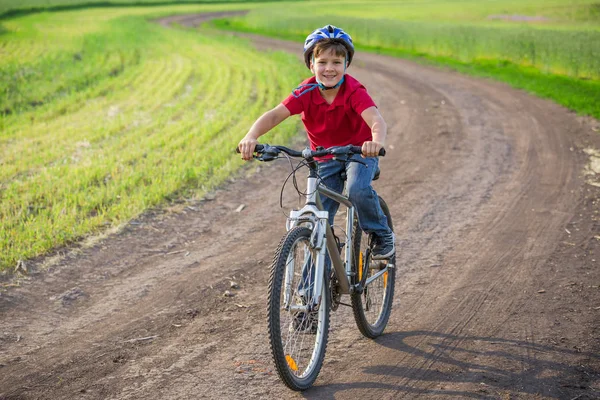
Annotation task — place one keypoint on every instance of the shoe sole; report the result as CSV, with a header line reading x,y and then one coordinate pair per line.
x,y
389,253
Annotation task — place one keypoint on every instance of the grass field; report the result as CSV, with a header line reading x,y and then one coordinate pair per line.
x,y
103,122
104,114
19,7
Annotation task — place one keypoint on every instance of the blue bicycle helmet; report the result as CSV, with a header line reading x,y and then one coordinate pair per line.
x,y
327,32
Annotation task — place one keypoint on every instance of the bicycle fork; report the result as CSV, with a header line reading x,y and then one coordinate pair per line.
x,y
317,220
312,270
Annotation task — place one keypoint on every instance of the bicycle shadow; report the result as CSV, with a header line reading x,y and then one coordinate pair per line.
x,y
502,365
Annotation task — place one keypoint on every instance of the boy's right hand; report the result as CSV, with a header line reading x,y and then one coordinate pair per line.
x,y
246,148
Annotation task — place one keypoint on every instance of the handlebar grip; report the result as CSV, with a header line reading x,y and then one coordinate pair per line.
x,y
258,147
358,150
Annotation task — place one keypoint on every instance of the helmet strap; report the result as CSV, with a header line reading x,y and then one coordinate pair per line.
x,y
323,87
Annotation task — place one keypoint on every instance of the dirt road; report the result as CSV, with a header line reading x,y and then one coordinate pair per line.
x,y
498,287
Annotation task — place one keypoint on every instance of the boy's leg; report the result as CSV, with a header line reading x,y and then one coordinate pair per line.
x,y
303,321
371,218
330,171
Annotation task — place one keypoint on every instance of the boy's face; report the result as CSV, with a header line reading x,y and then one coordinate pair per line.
x,y
328,67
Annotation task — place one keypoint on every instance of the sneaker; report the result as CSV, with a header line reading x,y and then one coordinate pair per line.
x,y
304,322
384,246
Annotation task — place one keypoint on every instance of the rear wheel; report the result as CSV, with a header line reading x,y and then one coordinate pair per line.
x,y
373,306
298,325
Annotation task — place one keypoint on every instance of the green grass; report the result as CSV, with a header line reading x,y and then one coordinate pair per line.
x,y
11,8
568,13
126,115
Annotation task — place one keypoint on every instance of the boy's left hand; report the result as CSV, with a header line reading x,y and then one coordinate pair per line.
x,y
371,149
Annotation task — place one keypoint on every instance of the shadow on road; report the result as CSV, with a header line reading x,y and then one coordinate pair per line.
x,y
437,365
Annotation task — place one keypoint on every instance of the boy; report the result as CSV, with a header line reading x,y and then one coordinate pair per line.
x,y
336,111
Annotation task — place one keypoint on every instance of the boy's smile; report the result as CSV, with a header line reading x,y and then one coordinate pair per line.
x,y
328,68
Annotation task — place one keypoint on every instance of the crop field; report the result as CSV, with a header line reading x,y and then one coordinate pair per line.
x,y
105,115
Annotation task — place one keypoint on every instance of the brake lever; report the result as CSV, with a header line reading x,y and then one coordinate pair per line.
x,y
268,153
266,157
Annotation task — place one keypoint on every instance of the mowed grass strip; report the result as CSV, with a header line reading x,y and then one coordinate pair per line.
x,y
164,127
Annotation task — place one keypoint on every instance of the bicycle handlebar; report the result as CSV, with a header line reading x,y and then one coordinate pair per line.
x,y
308,153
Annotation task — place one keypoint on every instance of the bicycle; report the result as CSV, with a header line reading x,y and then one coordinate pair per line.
x,y
302,291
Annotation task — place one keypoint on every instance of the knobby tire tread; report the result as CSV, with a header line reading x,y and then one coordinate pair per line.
x,y
357,302
273,311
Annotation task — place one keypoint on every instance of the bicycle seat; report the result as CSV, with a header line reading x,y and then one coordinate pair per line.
x,y
375,177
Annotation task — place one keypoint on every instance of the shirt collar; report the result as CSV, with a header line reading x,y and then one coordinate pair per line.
x,y
339,98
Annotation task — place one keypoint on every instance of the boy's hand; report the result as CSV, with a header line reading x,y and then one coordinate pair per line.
x,y
371,149
246,147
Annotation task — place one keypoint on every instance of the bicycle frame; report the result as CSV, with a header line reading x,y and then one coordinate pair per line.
x,y
323,239
306,286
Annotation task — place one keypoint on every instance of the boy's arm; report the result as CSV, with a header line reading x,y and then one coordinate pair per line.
x,y
263,124
378,129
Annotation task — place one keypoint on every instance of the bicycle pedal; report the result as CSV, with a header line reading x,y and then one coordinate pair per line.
x,y
304,323
358,288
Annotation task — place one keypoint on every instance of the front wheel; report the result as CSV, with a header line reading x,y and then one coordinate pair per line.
x,y
372,307
298,324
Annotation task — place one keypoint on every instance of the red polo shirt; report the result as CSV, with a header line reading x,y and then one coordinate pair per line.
x,y
336,124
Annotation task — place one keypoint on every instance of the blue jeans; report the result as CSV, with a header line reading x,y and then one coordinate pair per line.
x,y
371,218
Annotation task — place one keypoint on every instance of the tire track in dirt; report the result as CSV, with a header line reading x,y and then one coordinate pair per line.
x,y
512,220
472,304
481,181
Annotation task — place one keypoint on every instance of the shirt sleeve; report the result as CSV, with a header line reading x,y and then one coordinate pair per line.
x,y
360,100
293,104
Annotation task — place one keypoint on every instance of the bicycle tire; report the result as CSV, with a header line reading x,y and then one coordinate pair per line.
x,y
298,352
379,294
